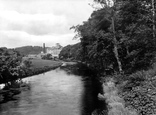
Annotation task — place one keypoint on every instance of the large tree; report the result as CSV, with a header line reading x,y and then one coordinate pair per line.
x,y
153,15
118,36
112,6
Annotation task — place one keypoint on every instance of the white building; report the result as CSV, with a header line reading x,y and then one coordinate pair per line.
x,y
55,50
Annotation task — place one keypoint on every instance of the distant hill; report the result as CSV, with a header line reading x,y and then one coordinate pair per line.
x,y
25,50
70,52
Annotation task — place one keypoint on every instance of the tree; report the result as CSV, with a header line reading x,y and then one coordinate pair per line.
x,y
10,65
112,4
47,57
118,37
153,17
71,52
96,40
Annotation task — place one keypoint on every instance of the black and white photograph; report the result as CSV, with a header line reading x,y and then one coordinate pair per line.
x,y
77,57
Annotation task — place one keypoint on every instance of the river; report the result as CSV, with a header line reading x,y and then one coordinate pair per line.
x,y
57,92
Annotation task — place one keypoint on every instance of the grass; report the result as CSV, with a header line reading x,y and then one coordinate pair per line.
x,y
39,63
116,105
39,66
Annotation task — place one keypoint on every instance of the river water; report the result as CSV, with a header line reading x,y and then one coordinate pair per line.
x,y
56,92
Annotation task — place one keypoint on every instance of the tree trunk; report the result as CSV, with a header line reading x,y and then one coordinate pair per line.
x,y
115,42
127,50
153,15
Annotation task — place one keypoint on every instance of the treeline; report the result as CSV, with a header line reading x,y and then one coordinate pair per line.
x,y
71,52
26,50
119,38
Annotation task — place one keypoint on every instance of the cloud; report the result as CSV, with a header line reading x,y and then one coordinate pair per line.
x,y
19,38
36,24
32,22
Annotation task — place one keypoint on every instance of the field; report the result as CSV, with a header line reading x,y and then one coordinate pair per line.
x,y
39,63
39,66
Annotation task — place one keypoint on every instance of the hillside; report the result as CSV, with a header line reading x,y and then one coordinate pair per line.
x,y
25,50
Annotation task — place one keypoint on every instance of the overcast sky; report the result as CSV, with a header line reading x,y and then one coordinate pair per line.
x,y
34,22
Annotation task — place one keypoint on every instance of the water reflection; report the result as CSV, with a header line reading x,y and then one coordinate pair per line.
x,y
55,93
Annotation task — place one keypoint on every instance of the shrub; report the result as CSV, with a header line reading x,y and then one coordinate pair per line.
x,y
139,92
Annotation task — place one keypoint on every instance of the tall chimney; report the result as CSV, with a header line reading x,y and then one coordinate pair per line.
x,y
44,50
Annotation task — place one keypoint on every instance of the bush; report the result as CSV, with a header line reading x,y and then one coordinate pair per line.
x,y
139,92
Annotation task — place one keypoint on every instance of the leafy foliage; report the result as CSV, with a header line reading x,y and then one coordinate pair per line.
x,y
71,52
10,65
135,43
139,92
134,25
47,57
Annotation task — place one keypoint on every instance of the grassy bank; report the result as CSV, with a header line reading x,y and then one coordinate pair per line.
x,y
134,92
39,66
115,103
130,94
40,63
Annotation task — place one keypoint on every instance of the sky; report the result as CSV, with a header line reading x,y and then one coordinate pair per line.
x,y
34,22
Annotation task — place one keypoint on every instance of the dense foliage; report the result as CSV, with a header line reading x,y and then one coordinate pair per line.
x,y
11,67
47,57
139,91
71,52
133,31
14,66
119,37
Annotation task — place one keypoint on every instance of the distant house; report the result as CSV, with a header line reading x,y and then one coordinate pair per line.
x,y
55,50
31,56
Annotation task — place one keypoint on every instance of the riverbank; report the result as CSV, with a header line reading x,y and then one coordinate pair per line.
x,y
139,91
132,94
57,92
39,66
29,67
128,94
115,103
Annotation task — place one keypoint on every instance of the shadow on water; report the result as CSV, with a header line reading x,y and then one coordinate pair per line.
x,y
89,100
92,87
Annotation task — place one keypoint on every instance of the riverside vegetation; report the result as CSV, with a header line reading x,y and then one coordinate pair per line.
x,y
14,67
118,41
